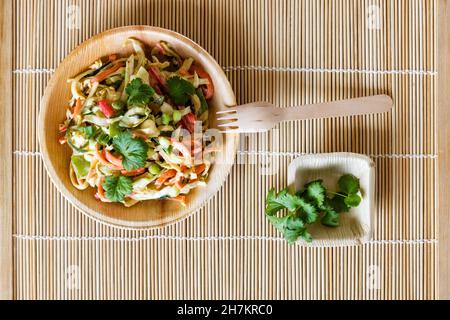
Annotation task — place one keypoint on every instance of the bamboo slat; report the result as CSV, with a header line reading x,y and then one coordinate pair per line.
x,y
287,52
6,148
444,150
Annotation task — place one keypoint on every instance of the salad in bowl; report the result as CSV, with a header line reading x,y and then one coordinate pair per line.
x,y
136,124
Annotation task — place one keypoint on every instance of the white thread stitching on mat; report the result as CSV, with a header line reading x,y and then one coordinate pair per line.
x,y
27,153
33,71
276,153
329,70
206,238
297,154
276,69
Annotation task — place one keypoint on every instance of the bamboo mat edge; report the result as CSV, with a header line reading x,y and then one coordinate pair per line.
x,y
6,212
443,97
444,156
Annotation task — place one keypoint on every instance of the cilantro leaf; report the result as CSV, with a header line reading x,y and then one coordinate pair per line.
x,y
133,151
295,228
291,235
316,192
349,184
139,93
307,236
180,90
338,204
283,199
352,200
272,206
330,219
117,187
307,210
294,222
292,227
278,222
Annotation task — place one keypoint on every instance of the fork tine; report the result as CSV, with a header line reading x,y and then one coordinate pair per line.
x,y
231,111
228,124
230,117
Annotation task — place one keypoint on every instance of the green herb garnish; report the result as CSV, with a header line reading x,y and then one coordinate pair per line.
x,y
138,93
133,151
310,203
180,90
117,187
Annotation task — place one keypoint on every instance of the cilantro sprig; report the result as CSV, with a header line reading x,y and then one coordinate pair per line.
x,y
309,204
180,90
133,151
139,93
117,187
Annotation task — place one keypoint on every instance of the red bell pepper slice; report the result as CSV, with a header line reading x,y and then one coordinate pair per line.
x,y
188,121
157,75
106,108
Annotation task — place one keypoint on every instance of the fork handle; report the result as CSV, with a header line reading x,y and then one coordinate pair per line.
x,y
351,107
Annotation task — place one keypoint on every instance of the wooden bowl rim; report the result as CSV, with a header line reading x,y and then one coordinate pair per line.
x,y
54,177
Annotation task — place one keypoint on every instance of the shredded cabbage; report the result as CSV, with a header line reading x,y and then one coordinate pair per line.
x,y
100,111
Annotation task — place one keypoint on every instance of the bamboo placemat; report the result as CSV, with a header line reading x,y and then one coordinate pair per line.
x,y
288,52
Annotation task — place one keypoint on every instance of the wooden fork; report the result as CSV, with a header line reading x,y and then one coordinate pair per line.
x,y
263,116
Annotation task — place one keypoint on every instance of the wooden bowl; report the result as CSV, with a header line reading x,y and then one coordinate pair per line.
x,y
147,214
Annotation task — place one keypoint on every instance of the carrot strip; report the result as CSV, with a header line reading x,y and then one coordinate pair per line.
x,y
102,75
100,195
103,161
132,172
78,108
116,161
183,72
166,175
180,183
200,168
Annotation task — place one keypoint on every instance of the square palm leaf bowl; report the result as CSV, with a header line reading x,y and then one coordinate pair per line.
x,y
356,225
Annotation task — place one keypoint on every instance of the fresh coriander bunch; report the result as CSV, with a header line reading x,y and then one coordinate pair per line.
x,y
311,204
